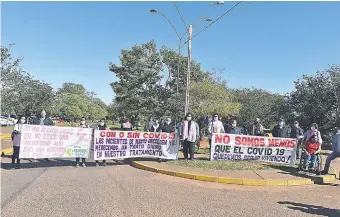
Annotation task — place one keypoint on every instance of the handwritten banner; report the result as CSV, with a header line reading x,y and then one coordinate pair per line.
x,y
38,141
128,144
252,148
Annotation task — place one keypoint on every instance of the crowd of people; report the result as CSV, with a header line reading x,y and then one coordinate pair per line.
x,y
191,132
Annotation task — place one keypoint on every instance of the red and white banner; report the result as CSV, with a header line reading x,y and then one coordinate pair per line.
x,y
38,141
252,148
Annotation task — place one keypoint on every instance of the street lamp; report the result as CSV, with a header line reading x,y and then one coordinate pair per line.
x,y
189,31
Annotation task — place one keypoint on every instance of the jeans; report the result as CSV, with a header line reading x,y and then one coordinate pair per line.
x,y
330,157
310,157
16,150
188,147
78,159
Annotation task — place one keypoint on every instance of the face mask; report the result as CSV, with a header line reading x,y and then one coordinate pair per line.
x,y
82,122
101,124
22,121
233,125
281,124
189,118
216,118
168,122
296,125
43,115
312,128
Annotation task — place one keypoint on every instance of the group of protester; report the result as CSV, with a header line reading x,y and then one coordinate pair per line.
x,y
189,133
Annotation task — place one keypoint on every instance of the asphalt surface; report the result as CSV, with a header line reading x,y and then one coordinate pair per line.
x,y
58,189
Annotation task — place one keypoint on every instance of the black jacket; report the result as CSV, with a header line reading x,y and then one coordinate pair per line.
x,y
296,132
282,133
167,128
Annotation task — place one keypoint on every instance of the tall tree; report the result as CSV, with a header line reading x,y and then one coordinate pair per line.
x,y
138,84
20,92
316,98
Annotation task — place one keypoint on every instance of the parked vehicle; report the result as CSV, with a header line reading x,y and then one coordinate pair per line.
x,y
4,121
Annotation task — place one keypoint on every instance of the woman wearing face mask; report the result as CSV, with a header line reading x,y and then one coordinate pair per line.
x,y
190,135
82,125
215,126
102,126
16,137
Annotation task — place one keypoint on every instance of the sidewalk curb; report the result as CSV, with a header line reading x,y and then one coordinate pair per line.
x,y
226,180
6,151
6,136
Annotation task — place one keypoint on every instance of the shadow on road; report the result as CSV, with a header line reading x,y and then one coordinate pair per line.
x,y
311,209
41,163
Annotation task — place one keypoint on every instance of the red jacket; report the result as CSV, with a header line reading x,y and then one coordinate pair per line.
x,y
312,147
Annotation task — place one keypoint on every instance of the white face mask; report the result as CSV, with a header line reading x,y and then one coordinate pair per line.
x,y
82,122
215,118
281,124
312,128
22,121
101,123
233,125
43,114
189,118
296,125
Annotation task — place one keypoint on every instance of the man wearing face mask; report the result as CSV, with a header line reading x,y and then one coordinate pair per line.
x,y
215,126
313,130
281,130
190,135
297,133
167,127
44,120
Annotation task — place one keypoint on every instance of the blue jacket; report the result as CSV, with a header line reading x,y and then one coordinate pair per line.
x,y
336,143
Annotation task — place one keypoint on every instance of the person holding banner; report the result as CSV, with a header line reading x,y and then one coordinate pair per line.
x,y
189,136
156,127
167,127
148,125
215,126
126,126
297,133
234,129
43,120
280,130
258,129
102,126
82,125
16,137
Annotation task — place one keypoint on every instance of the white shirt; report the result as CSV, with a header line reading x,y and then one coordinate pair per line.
x,y
17,137
215,127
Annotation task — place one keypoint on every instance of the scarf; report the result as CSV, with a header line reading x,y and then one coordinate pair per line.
x,y
189,131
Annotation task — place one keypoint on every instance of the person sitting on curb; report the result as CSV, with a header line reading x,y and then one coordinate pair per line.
x,y
336,151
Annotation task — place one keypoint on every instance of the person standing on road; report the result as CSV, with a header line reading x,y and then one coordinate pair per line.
x,y
16,137
258,129
215,126
102,126
297,133
189,136
280,130
44,120
82,125
148,125
234,129
336,151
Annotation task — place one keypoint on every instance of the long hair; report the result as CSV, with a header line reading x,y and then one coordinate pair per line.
x,y
19,119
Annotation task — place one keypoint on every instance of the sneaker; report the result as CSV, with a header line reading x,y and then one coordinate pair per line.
x,y
104,164
84,165
97,164
77,165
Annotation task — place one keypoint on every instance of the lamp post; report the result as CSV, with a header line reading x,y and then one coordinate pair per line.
x,y
189,31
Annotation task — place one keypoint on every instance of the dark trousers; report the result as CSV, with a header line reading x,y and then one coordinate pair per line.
x,y
78,160
209,146
188,147
16,150
298,148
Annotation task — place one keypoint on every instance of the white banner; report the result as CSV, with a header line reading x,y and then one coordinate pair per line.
x,y
128,144
39,141
252,148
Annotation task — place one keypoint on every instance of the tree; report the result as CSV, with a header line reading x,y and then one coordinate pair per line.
x,y
258,103
316,99
139,74
209,97
20,92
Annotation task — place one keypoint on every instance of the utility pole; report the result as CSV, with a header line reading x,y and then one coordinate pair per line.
x,y
186,109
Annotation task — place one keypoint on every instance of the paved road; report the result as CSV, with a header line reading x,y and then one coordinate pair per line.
x,y
58,189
